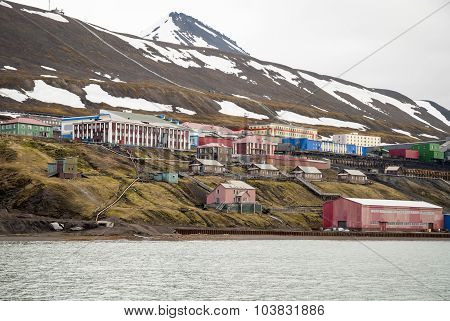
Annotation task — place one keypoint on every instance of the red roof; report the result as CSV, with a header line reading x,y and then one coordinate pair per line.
x,y
30,121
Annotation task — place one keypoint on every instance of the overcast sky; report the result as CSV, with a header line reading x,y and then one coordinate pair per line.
x,y
324,36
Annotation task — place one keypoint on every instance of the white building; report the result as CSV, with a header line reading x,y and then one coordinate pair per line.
x,y
125,128
356,139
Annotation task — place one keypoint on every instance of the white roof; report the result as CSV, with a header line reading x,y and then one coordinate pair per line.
x,y
266,166
209,162
353,172
392,168
396,203
307,169
237,185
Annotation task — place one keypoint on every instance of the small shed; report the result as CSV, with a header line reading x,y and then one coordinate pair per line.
x,y
171,178
352,176
393,170
266,170
64,168
307,172
202,166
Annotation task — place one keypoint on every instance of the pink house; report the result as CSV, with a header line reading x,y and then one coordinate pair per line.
x,y
232,192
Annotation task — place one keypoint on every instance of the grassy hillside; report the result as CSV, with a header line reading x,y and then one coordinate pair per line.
x,y
26,188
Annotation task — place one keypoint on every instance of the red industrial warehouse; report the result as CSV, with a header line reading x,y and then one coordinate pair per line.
x,y
382,215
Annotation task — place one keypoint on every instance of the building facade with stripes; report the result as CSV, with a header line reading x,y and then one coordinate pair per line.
x,y
123,128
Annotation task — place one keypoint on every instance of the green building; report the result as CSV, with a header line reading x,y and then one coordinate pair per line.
x,y
429,152
26,127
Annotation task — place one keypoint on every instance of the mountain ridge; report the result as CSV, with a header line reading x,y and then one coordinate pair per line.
x,y
105,69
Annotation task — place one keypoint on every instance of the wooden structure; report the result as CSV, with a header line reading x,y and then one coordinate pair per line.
x,y
214,151
265,170
352,176
307,172
204,166
393,170
64,168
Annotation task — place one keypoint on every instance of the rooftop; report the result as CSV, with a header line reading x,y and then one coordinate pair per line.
x,y
307,169
237,185
353,172
396,203
137,118
213,145
21,120
269,167
209,162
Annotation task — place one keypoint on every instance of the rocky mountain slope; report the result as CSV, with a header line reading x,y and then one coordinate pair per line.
x,y
181,29
51,63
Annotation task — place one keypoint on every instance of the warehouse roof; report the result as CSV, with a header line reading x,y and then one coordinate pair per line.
x,y
237,185
392,168
394,203
138,118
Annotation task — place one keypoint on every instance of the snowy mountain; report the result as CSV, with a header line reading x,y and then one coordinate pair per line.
x,y
185,30
54,64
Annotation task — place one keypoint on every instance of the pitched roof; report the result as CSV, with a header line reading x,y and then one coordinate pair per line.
x,y
21,120
396,203
209,162
237,185
352,172
392,168
269,167
255,140
307,169
138,118
207,128
213,145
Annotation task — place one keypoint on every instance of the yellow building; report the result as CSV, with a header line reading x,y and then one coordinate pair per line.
x,y
356,139
283,130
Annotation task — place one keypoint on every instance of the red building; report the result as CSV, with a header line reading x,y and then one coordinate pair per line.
x,y
382,215
253,145
404,153
205,140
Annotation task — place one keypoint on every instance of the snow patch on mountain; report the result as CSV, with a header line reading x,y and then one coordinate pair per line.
x,y
180,58
52,95
185,111
322,121
48,68
404,132
432,111
49,76
96,94
231,109
278,73
13,94
216,63
49,15
7,5
429,136
9,68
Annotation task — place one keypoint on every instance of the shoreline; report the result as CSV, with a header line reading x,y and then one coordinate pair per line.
x,y
65,237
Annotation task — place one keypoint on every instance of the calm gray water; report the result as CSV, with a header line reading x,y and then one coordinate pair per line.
x,y
225,270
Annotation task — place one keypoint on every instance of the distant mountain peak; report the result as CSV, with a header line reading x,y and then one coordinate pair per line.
x,y
181,29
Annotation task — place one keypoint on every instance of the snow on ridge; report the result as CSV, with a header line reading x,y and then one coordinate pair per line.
x,y
319,108
52,95
9,68
404,132
205,29
13,94
216,63
182,110
49,76
322,121
7,5
49,15
48,68
97,80
231,109
432,111
282,74
371,118
429,136
96,94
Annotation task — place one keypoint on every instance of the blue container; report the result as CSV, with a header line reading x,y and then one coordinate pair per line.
x,y
363,151
351,149
447,222
309,145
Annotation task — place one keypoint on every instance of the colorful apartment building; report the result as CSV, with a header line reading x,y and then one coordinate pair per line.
x,y
253,145
26,127
282,130
356,139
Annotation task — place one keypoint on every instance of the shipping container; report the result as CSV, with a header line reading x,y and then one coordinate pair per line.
x,y
310,145
428,152
351,149
404,153
447,222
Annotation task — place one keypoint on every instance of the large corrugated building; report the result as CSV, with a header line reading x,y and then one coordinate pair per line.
x,y
382,215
